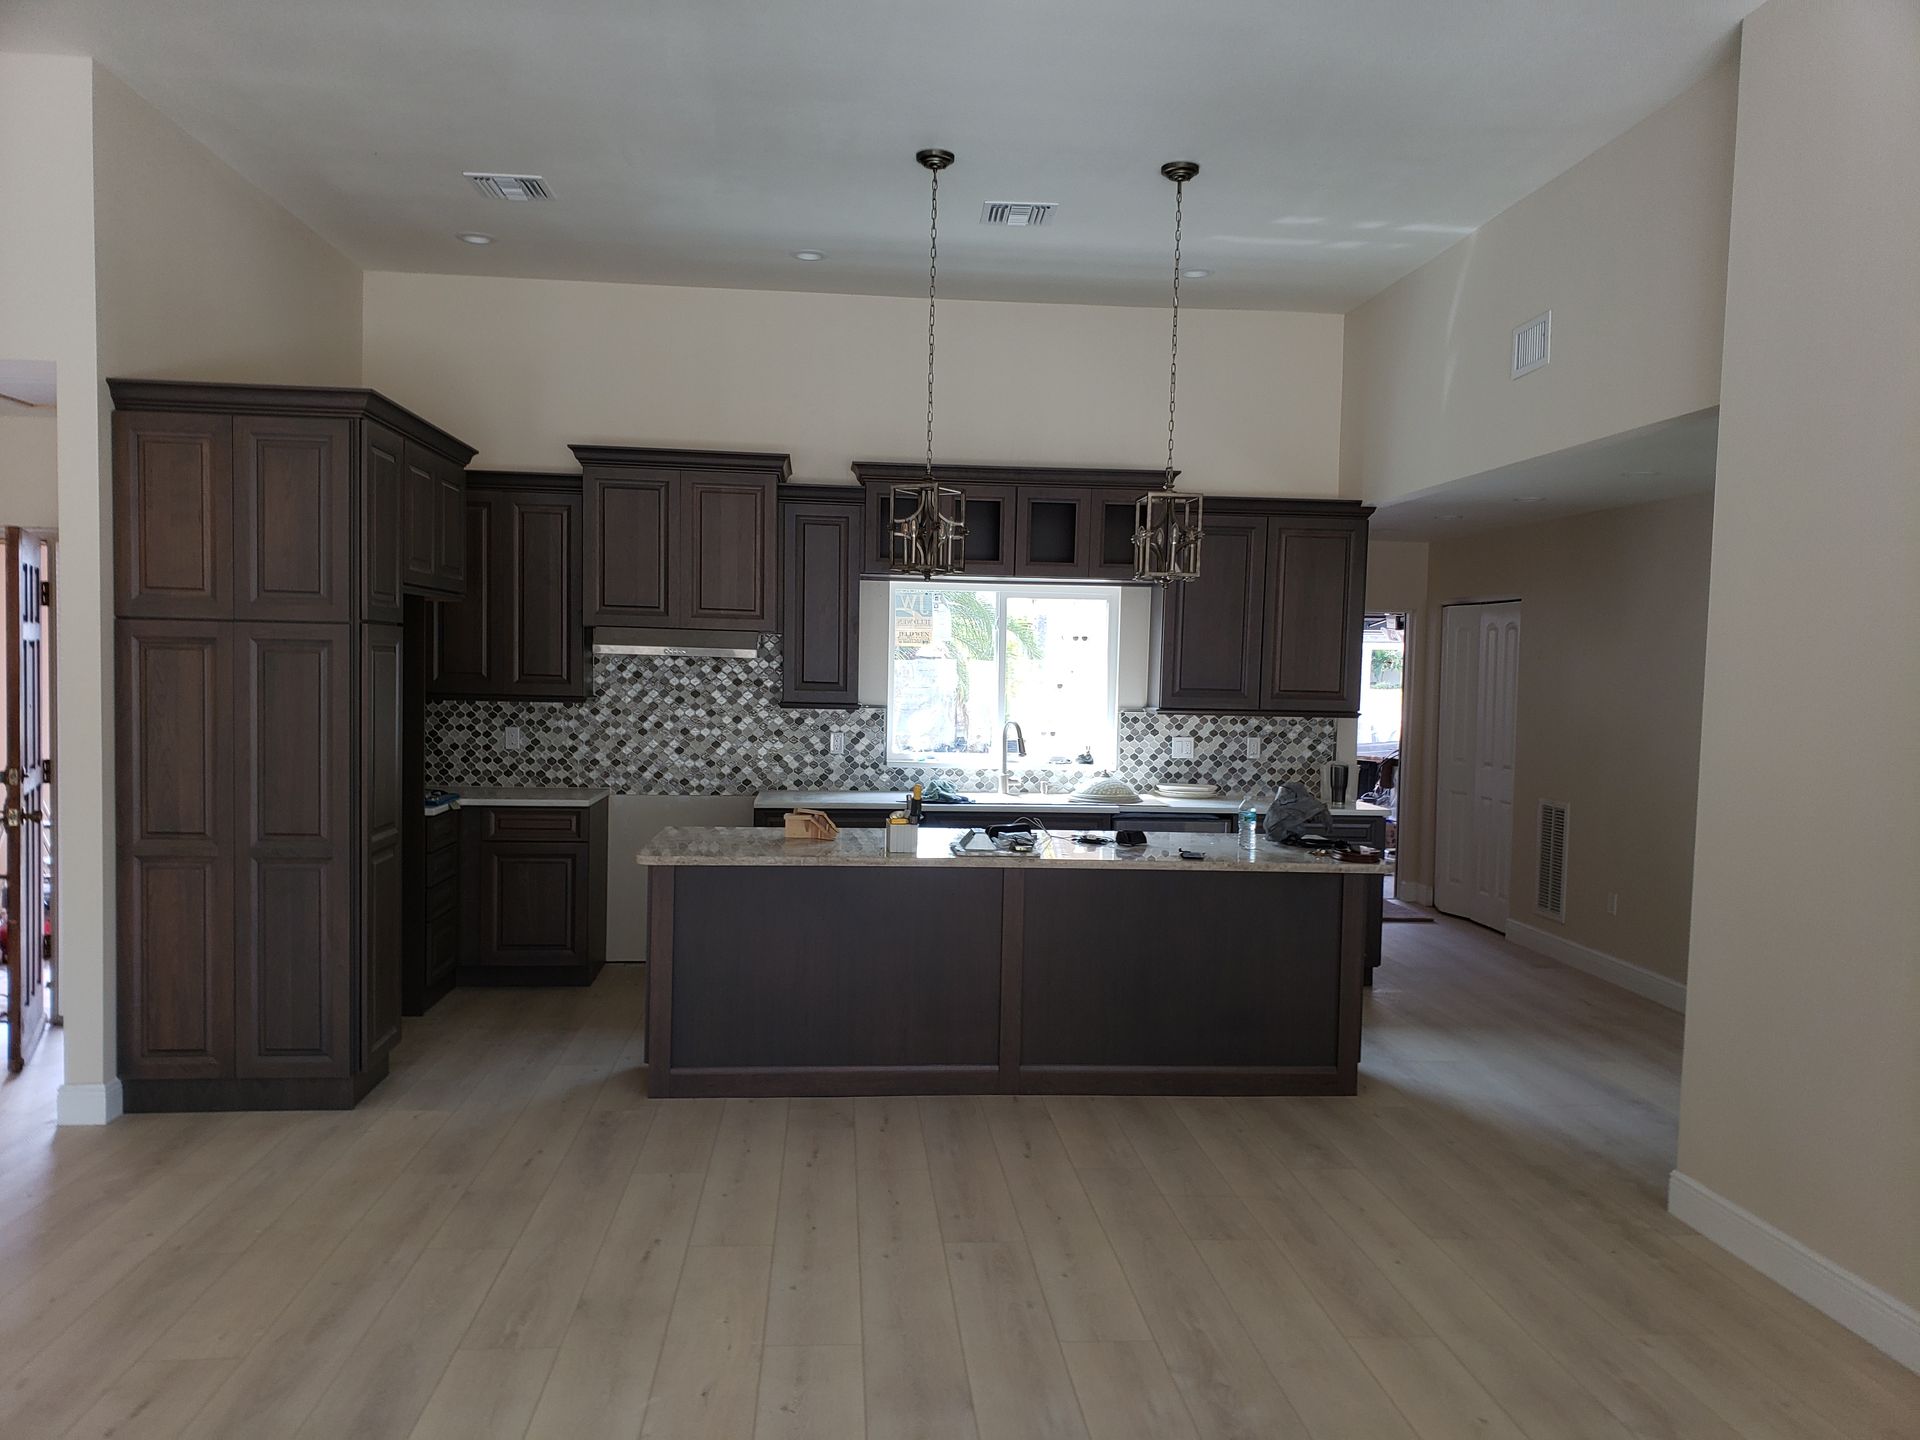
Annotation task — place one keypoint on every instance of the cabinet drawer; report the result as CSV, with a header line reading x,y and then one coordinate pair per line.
x,y
443,868
443,945
1366,832
443,830
526,823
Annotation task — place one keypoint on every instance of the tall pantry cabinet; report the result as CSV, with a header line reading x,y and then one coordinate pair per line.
x,y
266,539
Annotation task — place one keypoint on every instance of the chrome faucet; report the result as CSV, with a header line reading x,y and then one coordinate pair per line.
x,y
1019,748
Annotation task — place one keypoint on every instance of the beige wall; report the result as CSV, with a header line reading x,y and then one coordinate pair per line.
x,y
29,484
522,367
1396,575
1628,249
1614,612
201,276
1801,1093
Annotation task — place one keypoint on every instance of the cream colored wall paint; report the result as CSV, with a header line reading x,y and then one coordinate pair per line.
x,y
1628,249
1801,1094
29,480
48,312
1396,575
522,367
1615,613
202,277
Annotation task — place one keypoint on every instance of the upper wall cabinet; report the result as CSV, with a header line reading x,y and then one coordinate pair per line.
x,y
682,539
1023,521
1273,622
516,633
820,603
279,503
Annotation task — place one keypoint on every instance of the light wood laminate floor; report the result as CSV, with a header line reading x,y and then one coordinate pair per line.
x,y
509,1239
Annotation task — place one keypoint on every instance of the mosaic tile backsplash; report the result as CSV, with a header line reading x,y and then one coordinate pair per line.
x,y
683,726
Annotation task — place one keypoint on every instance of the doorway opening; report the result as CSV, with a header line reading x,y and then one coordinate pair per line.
x,y
1473,819
26,840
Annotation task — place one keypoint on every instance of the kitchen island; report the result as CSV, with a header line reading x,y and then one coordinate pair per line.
x,y
808,967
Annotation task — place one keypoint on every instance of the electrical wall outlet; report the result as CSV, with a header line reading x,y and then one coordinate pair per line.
x,y
1613,903
836,742
512,737
1183,747
1253,747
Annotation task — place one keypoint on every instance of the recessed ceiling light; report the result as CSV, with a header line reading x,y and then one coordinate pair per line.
x,y
1371,224
1453,517
1526,499
809,254
473,237
1195,274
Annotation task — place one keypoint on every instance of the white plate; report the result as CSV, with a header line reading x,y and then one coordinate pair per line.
x,y
1188,792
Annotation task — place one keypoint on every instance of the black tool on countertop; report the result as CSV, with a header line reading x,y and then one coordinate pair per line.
x,y
1191,855
1129,838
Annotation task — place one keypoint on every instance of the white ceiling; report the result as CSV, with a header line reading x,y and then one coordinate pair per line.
x,y
699,142
1658,462
25,386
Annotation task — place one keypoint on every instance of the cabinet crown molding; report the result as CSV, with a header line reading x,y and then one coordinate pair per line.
x,y
894,472
655,458
225,398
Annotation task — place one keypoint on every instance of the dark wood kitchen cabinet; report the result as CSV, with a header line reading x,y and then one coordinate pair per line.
x,y
516,634
259,545
681,539
433,518
1273,622
533,893
820,537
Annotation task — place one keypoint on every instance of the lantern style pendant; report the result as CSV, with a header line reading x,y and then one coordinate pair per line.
x,y
927,531
1168,528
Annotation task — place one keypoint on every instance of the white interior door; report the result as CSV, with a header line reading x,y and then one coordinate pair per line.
x,y
1473,828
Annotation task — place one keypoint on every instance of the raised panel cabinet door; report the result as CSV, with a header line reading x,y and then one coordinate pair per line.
x,y
540,597
630,524
382,798
1054,533
1316,588
420,519
174,785
449,527
173,515
820,606
291,521
532,905
1211,627
294,938
731,553
464,649
382,464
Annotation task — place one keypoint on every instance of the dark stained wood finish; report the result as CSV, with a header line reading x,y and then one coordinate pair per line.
x,y
420,519
820,603
291,508
838,981
1316,582
533,894
730,554
629,557
382,466
174,799
991,527
384,800
1054,534
294,926
516,633
1367,830
1114,519
1206,646
173,509
449,526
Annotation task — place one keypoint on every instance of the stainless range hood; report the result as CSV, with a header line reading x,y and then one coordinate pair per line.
x,y
683,644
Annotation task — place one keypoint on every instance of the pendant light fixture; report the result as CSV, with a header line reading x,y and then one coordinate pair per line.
x,y
929,521
1167,527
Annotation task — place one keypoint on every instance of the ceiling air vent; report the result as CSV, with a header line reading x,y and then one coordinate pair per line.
x,y
509,187
1016,212
1550,884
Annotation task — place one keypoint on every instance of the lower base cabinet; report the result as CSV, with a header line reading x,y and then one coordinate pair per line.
x,y
533,894
1368,830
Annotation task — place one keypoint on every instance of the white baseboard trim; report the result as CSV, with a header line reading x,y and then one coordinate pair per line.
x,y
1871,1313
88,1104
1612,969
1411,893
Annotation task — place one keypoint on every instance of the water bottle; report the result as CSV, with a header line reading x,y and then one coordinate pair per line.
x,y
1249,824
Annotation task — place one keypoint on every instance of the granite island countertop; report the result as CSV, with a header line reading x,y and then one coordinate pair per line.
x,y
549,797
765,845
1221,804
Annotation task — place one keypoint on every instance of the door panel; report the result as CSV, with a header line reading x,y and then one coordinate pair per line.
x,y
526,902
463,643
382,818
542,591
1212,627
1055,532
629,548
290,519
1473,821
173,515
820,609
382,468
420,520
174,715
294,887
26,799
728,566
449,526
1316,578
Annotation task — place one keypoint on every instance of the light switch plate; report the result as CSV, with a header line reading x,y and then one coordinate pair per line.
x,y
1253,747
836,742
1183,747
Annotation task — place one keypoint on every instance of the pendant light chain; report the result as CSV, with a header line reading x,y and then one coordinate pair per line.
x,y
933,261
1173,356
